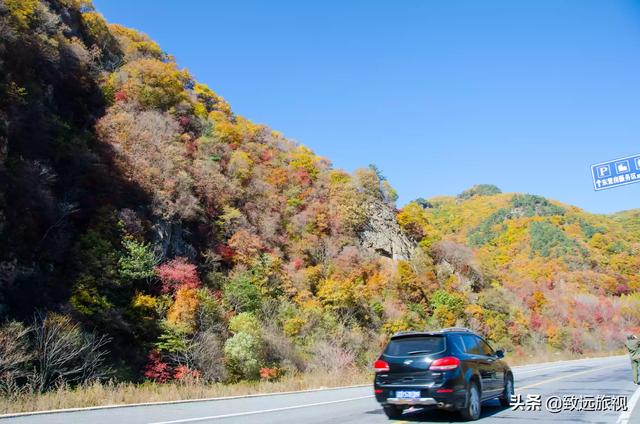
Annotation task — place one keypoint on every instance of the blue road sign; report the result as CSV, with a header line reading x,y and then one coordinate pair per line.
x,y
616,172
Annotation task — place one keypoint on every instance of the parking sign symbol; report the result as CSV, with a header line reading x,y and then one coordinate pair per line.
x,y
604,171
622,167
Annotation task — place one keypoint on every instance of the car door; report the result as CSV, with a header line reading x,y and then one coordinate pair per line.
x,y
484,366
497,372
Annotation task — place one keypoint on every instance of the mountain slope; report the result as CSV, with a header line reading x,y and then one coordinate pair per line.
x,y
630,221
570,276
136,202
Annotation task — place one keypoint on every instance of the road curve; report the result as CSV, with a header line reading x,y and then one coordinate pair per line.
x,y
599,376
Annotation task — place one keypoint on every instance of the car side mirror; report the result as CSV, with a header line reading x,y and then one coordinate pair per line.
x,y
500,353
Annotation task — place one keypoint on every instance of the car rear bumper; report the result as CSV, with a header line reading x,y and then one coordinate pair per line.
x,y
412,402
430,397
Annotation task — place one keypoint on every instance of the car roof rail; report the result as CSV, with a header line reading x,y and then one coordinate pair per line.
x,y
442,330
460,329
398,333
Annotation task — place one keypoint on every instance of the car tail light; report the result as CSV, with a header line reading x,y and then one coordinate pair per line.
x,y
380,366
444,391
445,364
377,391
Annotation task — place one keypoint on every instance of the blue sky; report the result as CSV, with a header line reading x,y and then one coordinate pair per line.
x,y
440,95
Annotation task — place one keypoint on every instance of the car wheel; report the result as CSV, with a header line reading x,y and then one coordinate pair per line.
x,y
505,399
392,411
471,412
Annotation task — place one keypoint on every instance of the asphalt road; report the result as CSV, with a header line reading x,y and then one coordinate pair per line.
x,y
602,376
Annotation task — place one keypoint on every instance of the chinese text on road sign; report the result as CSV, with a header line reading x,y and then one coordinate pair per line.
x,y
616,172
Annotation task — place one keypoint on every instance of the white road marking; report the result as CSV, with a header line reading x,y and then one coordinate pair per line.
x,y
550,380
557,366
562,377
626,415
172,402
241,414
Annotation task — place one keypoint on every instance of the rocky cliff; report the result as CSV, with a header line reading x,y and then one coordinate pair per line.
x,y
382,233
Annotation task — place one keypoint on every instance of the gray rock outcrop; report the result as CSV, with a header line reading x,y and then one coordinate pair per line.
x,y
382,233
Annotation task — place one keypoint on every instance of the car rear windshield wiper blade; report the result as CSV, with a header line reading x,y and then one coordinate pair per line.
x,y
417,352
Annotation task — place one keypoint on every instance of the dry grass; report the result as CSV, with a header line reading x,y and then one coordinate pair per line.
x,y
97,394
125,393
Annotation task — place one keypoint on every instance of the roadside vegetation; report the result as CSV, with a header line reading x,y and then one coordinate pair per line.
x,y
155,245
111,393
96,393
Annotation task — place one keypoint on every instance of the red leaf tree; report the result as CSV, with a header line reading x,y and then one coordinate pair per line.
x,y
177,273
156,369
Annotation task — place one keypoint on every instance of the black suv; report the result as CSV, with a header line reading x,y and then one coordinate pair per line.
x,y
452,369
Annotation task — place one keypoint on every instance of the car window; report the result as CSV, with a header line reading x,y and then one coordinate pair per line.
x,y
471,344
486,349
456,343
415,345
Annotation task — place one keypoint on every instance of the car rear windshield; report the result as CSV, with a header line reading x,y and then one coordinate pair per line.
x,y
417,345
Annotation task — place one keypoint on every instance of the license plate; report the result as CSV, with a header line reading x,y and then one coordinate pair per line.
x,y
408,394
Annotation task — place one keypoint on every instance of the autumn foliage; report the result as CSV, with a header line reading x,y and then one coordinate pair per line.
x,y
177,274
205,246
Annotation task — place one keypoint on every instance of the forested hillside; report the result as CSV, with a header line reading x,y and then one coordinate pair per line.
x,y
149,232
530,271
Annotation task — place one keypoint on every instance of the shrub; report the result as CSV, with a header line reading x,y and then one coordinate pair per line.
x,y
244,322
207,354
280,349
339,350
183,374
15,356
64,353
241,294
156,369
174,340
413,219
184,308
246,246
178,273
408,286
589,230
138,261
242,356
211,100
447,307
210,311
269,374
328,355
87,299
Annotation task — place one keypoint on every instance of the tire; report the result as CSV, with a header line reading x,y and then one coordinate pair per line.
x,y
471,411
505,399
392,412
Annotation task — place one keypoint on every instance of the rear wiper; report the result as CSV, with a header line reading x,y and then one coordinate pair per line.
x,y
417,352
